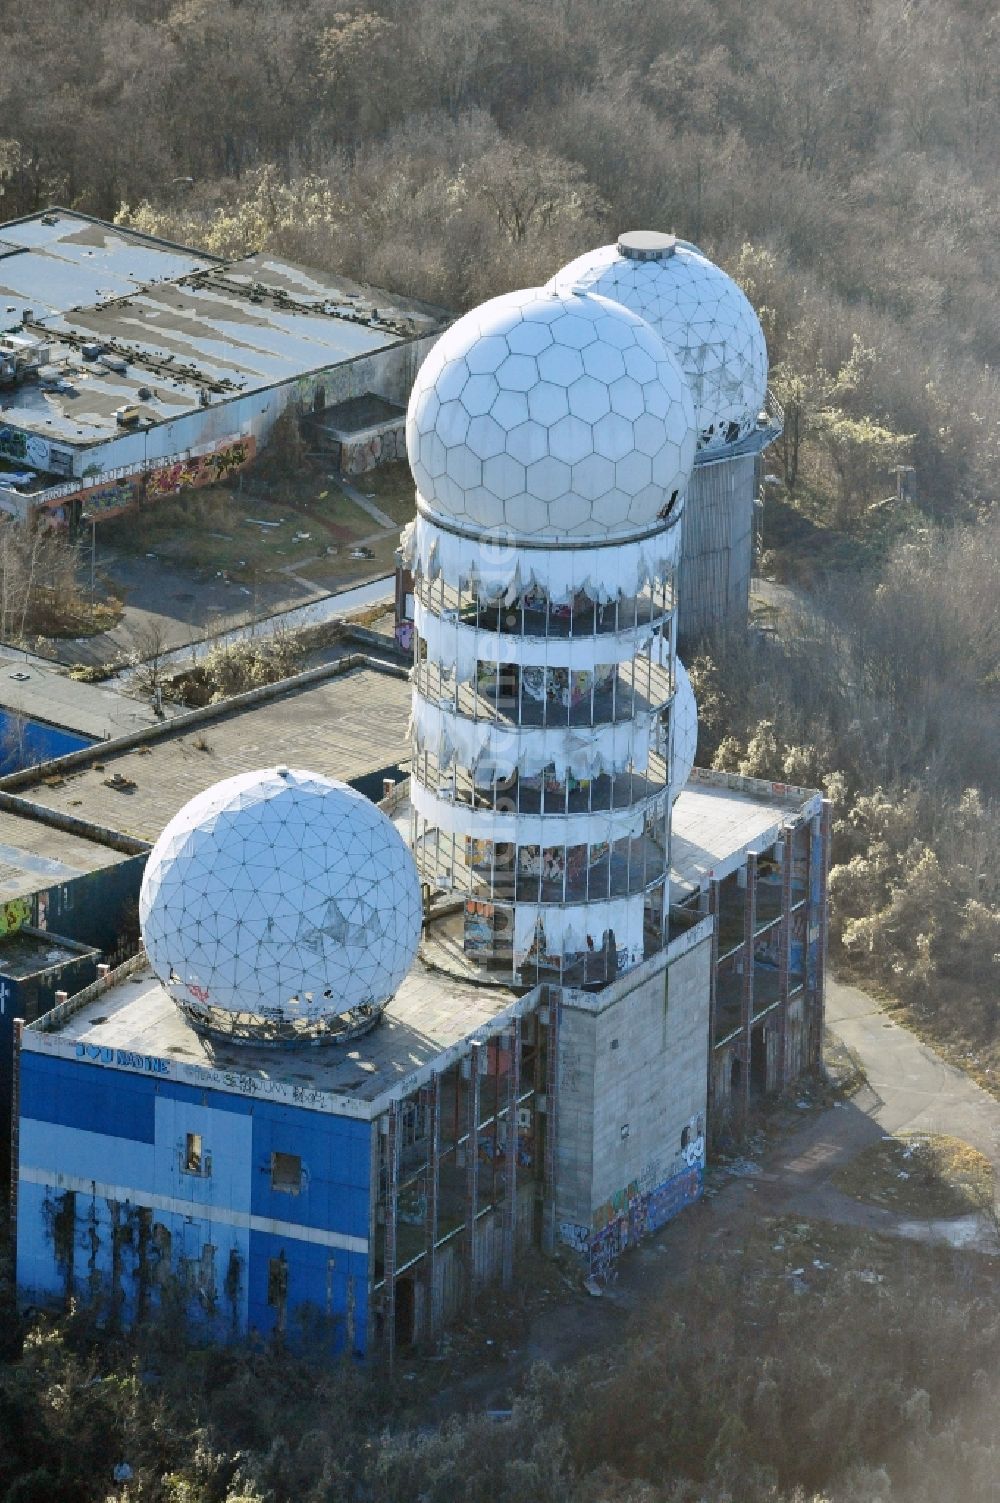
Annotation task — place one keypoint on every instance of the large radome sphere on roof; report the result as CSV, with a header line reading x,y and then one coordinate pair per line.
x,y
699,312
550,418
282,895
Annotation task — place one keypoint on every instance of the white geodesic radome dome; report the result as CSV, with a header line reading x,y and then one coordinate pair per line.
x,y
699,312
284,899
684,716
543,418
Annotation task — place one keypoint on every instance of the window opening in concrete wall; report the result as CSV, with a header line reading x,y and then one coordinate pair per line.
x,y
193,1157
286,1173
451,1172
405,1301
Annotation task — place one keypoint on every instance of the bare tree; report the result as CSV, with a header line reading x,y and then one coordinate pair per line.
x,y
146,657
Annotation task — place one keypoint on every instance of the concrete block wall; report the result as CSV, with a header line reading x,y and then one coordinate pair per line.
x,y
575,1135
633,1070
654,1084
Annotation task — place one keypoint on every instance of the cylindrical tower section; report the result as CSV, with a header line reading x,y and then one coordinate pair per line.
x,y
707,322
551,440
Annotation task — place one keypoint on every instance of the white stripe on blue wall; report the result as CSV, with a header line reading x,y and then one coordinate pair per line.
x,y
211,1214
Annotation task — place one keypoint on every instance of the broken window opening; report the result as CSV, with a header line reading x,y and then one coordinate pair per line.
x,y
286,1173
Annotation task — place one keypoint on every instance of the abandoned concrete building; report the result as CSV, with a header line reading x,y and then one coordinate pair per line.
x,y
131,367
512,1005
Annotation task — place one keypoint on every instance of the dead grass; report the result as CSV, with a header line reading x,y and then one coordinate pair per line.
x,y
928,1175
342,571
390,486
245,536
75,616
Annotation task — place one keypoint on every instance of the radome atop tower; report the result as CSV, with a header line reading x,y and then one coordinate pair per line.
x,y
703,317
551,419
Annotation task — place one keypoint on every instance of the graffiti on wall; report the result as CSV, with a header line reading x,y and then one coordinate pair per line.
x,y
573,1235
113,497
14,914
646,1203
403,633
24,448
767,949
13,444
243,1084
638,1215
108,500
201,469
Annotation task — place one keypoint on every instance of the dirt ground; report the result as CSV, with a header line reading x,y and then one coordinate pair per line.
x,y
920,1174
210,560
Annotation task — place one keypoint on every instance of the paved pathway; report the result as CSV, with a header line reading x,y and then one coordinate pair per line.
x,y
916,1090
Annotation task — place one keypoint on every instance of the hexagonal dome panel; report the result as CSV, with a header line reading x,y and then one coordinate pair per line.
x,y
702,317
282,895
579,386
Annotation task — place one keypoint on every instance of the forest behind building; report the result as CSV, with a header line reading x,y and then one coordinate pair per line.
x,y
840,160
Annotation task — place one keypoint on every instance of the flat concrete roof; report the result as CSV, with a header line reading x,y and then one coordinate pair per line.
x,y
430,1015
42,693
30,952
58,260
716,823
33,855
194,331
347,725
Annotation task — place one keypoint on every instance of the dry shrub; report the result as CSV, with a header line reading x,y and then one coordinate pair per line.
x,y
250,663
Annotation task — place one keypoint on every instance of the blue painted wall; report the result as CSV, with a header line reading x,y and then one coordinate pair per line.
x,y
24,743
116,1140
28,997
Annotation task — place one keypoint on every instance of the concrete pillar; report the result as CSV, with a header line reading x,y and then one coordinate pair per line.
x,y
510,1160
819,1004
391,1210
15,1138
431,1311
714,903
472,1062
550,1014
746,1009
785,954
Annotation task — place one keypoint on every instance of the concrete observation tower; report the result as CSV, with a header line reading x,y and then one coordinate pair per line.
x,y
551,438
708,325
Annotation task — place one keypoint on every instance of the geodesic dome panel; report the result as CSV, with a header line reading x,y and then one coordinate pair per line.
x,y
703,318
550,418
684,718
280,895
